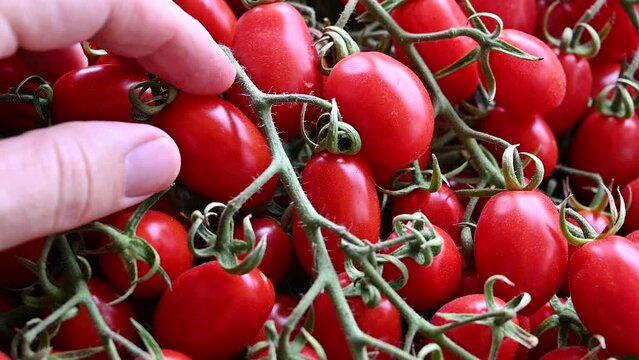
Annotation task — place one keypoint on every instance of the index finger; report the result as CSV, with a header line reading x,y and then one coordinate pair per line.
x,y
164,39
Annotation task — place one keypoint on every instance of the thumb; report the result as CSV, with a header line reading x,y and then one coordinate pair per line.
x,y
64,176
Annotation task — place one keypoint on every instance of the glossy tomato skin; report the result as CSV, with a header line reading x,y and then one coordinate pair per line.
x,y
442,208
168,237
531,132
566,353
429,287
98,92
539,87
606,145
275,47
215,15
475,338
172,355
79,331
225,310
386,103
518,14
514,226
13,274
222,150
382,322
578,89
341,188
425,16
630,194
279,250
609,269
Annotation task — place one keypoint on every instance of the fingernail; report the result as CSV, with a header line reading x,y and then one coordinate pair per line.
x,y
151,167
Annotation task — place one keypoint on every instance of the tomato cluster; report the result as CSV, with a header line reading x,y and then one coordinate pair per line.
x,y
334,215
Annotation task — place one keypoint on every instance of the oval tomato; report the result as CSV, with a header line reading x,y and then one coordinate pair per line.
x,y
279,250
607,268
428,287
167,236
518,14
513,226
225,311
386,103
98,92
539,87
566,353
475,338
14,274
275,47
442,208
215,15
222,151
341,188
426,16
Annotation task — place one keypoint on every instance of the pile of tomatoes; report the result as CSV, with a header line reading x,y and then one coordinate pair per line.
x,y
566,107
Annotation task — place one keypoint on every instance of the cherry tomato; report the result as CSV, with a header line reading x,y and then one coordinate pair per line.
x,y
469,284
604,75
225,311
513,226
442,208
79,331
341,188
531,132
168,237
216,16
171,355
475,338
382,322
273,44
14,274
607,268
566,353
606,145
539,87
53,64
98,92
222,151
425,16
118,60
519,14
578,89
386,103
428,287
622,40
631,222
307,353
279,250
12,72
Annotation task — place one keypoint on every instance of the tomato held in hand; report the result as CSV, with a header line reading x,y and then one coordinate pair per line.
x,y
475,338
225,311
341,188
539,87
168,237
386,103
275,47
609,269
518,236
426,16
222,151
99,92
13,273
215,15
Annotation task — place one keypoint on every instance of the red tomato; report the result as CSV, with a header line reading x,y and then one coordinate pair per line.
x,y
513,226
222,151
52,64
3,356
633,237
383,174
216,16
604,75
118,60
425,16
79,331
606,145
13,274
306,353
607,268
273,44
548,340
442,208
566,353
475,338
622,40
469,284
519,14
341,188
531,132
279,250
12,72
171,355
428,287
225,311
578,89
99,92
382,322
539,87
168,237
522,351
386,103
631,222
15,117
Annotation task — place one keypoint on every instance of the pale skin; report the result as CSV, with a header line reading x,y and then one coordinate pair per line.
x,y
67,175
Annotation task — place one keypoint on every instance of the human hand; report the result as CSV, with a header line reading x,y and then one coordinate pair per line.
x,y
61,177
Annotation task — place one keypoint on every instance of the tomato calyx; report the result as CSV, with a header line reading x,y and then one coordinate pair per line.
x,y
564,319
428,180
268,349
35,90
334,135
337,43
144,107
